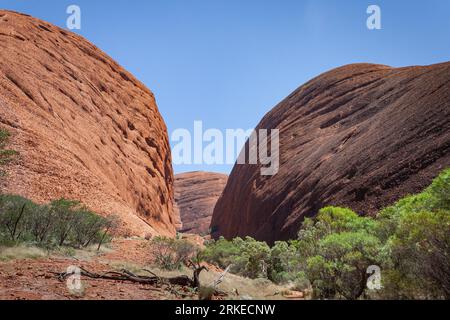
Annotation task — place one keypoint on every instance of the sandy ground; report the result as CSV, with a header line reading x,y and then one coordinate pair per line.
x,y
33,278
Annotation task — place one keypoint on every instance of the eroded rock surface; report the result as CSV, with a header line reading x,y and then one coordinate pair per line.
x,y
196,194
360,136
85,128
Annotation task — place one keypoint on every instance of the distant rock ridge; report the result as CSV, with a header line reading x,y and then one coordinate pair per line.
x,y
85,128
196,194
360,136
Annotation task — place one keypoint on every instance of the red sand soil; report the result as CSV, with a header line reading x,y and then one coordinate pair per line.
x,y
33,279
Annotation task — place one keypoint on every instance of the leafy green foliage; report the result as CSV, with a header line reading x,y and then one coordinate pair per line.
x,y
15,216
416,231
247,257
286,263
60,223
338,248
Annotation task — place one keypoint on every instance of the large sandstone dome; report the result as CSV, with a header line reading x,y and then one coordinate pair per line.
x,y
196,194
85,128
360,136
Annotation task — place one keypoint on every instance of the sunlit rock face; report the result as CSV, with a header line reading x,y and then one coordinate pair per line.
x,y
85,128
196,194
359,136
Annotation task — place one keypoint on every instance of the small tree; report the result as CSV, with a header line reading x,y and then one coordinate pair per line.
x,y
342,262
41,223
87,227
65,219
221,252
110,225
416,231
13,216
254,258
63,222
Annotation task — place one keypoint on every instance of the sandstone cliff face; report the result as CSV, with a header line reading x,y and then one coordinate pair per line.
x,y
85,128
196,194
360,136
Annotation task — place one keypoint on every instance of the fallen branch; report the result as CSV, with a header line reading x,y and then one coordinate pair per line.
x,y
153,279
125,275
220,279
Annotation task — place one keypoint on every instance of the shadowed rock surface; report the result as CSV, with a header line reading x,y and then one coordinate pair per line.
x,y
360,136
196,194
85,128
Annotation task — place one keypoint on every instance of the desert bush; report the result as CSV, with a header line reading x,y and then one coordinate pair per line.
x,y
254,260
247,257
66,216
409,241
40,225
171,254
416,231
285,262
221,252
60,223
338,247
15,212
87,228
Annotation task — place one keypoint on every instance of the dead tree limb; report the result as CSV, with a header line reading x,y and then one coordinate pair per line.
x,y
125,275
153,279
221,277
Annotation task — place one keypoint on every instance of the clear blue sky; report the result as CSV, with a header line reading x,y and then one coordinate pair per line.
x,y
228,62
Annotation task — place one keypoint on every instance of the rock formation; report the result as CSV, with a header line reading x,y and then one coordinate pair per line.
x,y
85,128
360,136
196,194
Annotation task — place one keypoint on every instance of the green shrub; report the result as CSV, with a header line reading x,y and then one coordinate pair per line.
x,y
61,223
15,213
416,231
338,247
285,262
247,257
221,252
87,228
66,216
171,254
40,225
409,241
